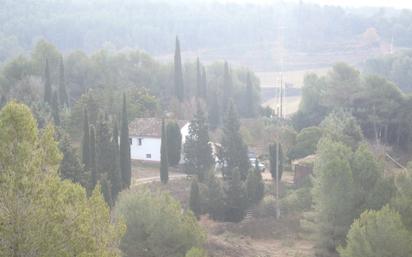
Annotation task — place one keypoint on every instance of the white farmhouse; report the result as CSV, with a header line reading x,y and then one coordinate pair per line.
x,y
145,138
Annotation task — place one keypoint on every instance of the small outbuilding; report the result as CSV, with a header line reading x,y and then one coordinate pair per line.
x,y
303,168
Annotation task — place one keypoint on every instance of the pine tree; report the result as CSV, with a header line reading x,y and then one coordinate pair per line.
x,y
47,84
125,160
92,156
174,143
178,75
63,97
194,199
214,110
272,161
86,142
235,151
164,165
115,175
333,192
197,151
215,198
54,106
236,199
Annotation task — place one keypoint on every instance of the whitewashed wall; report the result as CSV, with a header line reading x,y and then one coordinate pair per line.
x,y
149,145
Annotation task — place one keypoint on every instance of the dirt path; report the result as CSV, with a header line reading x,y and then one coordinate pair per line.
x,y
140,181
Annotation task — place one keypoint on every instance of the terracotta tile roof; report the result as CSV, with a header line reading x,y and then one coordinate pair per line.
x,y
149,127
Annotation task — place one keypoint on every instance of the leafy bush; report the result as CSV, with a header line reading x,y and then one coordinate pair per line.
x,y
156,225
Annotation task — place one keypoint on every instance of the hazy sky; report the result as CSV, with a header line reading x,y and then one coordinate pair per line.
x,y
353,3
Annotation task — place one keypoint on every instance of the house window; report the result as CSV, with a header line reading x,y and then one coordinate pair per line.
x,y
130,140
140,141
148,156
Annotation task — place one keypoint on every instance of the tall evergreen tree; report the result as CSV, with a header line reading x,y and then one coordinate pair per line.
x,y
203,88
47,84
198,78
54,106
106,189
92,156
174,143
104,150
273,163
194,199
227,87
236,199
125,160
214,110
70,166
86,142
164,165
197,151
63,96
254,187
115,175
178,75
215,198
235,151
249,98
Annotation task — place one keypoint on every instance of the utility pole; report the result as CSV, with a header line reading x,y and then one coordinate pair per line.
x,y
277,181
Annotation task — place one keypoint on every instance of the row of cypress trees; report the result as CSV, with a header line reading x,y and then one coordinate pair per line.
x,y
104,158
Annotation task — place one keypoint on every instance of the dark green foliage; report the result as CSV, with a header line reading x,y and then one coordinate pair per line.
x,y
86,142
214,110
174,143
227,87
235,151
47,84
306,142
70,166
63,96
236,199
104,155
378,233
178,74
107,194
275,149
197,151
249,99
115,175
92,156
215,198
164,164
198,78
195,200
403,200
254,187
125,160
54,106
203,85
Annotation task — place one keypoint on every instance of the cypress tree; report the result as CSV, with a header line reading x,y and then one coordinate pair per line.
x,y
70,166
104,150
92,155
214,111
55,109
215,197
125,161
106,191
178,75
164,165
254,187
47,84
86,142
174,143
204,84
198,79
272,160
235,151
194,199
197,151
249,104
115,175
63,97
235,198
227,87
